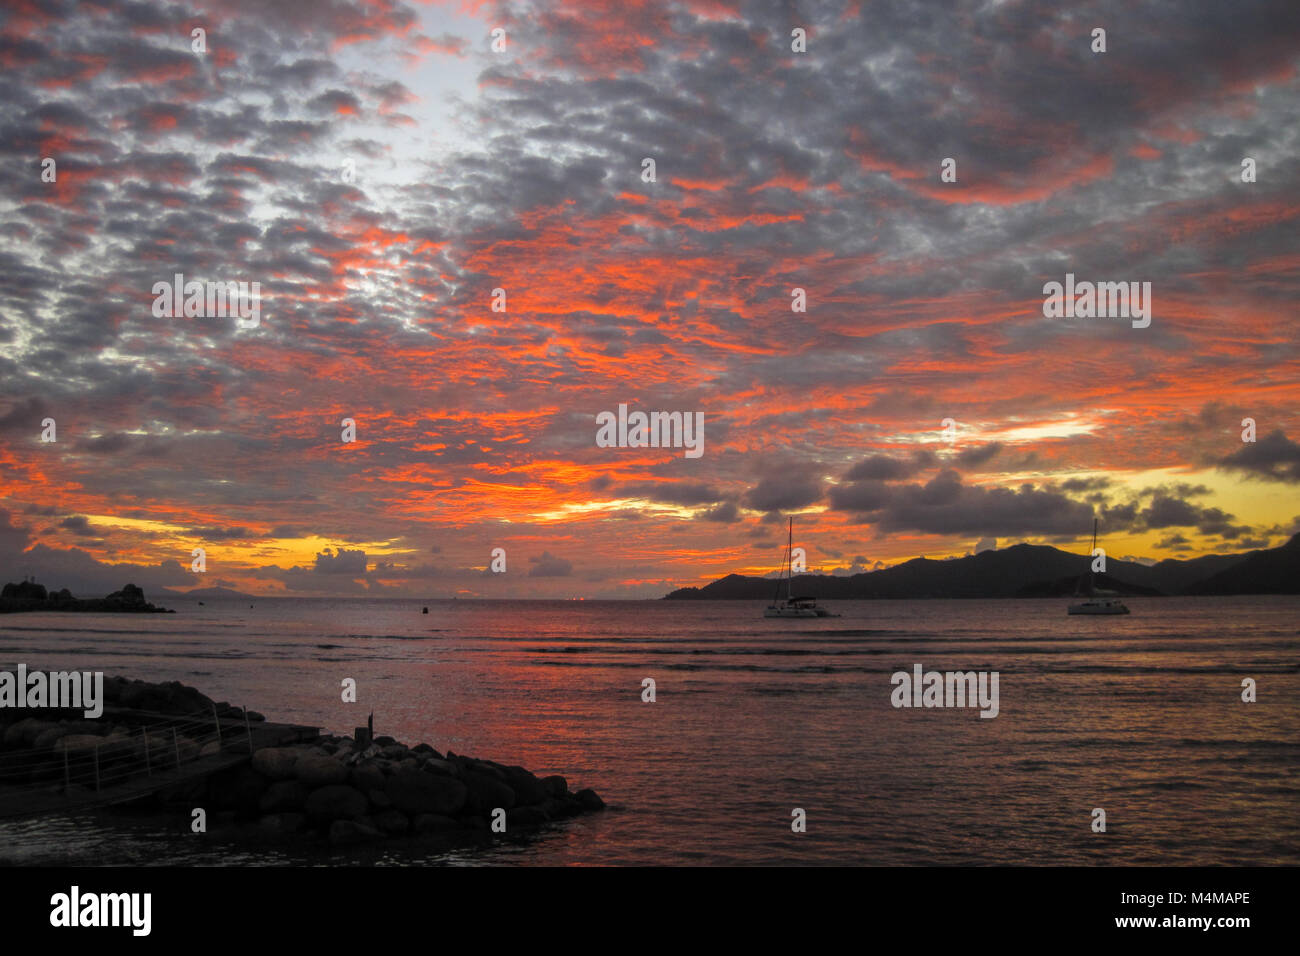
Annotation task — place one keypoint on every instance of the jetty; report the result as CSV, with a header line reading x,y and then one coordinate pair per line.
x,y
163,751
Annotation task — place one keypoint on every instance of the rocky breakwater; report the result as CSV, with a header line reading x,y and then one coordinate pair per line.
x,y
333,790
30,596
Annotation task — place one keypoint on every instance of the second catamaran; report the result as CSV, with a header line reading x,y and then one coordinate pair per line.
x,y
792,606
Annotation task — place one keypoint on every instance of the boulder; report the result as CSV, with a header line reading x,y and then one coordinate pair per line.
x,y
528,789
589,800
282,823
561,808
435,823
73,744
525,817
319,770
367,777
434,765
47,738
351,832
379,799
556,786
486,792
239,789
336,802
277,763
25,732
283,795
392,822
416,792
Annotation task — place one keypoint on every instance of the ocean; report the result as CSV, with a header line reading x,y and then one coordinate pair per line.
x,y
1140,716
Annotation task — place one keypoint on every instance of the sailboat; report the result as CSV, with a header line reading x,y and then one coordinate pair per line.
x,y
792,606
1099,601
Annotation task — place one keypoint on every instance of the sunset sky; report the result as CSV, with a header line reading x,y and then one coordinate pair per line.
x,y
522,170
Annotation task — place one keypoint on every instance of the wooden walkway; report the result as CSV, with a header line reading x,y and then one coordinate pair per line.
x,y
140,777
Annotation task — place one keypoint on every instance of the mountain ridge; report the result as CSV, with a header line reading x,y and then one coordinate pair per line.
x,y
1028,570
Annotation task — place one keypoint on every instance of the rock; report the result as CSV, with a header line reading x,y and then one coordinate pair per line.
x,y
525,817
589,800
14,732
434,765
426,749
367,777
392,822
319,770
486,767
240,789
561,808
210,749
394,752
24,733
435,823
282,822
47,738
276,763
384,741
336,802
283,795
415,792
350,832
379,799
528,789
82,744
555,785
186,748
486,792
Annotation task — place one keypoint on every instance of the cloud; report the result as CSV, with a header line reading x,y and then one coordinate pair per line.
x,y
783,493
341,562
80,525
1272,458
944,505
547,565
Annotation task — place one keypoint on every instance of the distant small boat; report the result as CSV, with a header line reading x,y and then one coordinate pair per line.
x,y
1099,601
792,606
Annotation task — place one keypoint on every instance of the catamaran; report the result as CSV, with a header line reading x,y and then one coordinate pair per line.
x,y
792,606
1099,601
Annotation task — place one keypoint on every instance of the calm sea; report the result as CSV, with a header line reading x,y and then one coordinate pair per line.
x,y
1141,716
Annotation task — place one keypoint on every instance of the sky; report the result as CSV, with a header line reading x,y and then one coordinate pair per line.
x,y
921,171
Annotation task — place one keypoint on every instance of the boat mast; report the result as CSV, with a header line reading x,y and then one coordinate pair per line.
x,y
1091,585
789,560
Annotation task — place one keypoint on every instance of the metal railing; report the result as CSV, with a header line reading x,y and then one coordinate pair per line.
x,y
151,747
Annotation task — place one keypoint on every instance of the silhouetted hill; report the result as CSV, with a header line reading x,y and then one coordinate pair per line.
x,y
212,592
1276,571
1023,570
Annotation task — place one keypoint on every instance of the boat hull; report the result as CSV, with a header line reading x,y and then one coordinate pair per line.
x,y
793,612
1098,609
